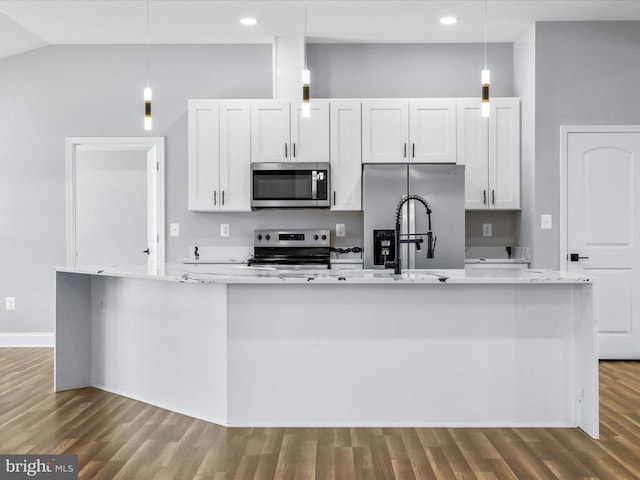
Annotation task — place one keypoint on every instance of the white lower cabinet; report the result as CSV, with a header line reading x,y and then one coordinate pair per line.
x,y
346,155
490,150
219,155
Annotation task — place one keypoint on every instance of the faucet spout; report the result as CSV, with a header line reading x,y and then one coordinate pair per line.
x,y
431,241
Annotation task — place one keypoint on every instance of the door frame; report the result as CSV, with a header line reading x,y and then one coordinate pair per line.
x,y
565,131
153,146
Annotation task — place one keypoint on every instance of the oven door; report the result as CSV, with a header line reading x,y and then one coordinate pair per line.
x,y
289,185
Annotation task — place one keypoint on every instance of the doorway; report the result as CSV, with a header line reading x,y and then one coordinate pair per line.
x,y
600,182
115,201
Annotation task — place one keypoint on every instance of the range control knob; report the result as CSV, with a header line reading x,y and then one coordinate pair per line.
x,y
324,237
259,237
267,237
315,237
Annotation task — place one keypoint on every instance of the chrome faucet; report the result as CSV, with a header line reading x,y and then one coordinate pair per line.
x,y
417,240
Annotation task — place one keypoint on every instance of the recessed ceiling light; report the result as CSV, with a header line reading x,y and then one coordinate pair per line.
x,y
448,20
248,21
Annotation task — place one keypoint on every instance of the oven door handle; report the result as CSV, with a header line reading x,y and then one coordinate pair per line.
x,y
314,185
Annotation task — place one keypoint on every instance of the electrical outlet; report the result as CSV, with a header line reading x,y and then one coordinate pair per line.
x,y
546,222
340,230
174,229
487,229
224,229
10,303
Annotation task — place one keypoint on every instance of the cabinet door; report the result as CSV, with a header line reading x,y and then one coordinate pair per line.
x,y
504,153
235,156
270,131
346,155
385,131
473,153
432,131
203,155
310,136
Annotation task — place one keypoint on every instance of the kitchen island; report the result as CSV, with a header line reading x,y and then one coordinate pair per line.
x,y
244,346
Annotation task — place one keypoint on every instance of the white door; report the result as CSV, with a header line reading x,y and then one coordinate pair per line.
x,y
111,207
310,136
385,131
270,131
235,156
346,158
603,224
204,155
432,131
473,153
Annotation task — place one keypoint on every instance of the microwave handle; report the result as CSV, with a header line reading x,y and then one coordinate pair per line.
x,y
314,185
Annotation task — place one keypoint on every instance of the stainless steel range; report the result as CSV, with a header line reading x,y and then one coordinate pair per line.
x,y
292,249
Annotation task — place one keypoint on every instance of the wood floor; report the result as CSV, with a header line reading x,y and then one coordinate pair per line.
x,y
119,438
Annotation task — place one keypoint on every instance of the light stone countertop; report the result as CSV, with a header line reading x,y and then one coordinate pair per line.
x,y
242,274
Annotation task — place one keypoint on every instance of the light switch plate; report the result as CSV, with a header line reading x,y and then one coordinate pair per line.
x,y
10,303
487,229
546,222
340,230
224,229
174,229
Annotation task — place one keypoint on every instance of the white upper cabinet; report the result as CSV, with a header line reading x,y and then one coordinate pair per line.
x,y
504,153
270,131
432,131
346,155
490,150
399,131
235,155
203,153
310,136
219,156
279,133
385,131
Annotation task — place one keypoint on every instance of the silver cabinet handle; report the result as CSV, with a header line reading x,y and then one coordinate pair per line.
x,y
215,197
413,150
484,197
294,150
286,152
222,197
334,197
404,155
493,197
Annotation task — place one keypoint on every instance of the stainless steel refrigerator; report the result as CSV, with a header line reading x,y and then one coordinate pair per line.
x,y
442,186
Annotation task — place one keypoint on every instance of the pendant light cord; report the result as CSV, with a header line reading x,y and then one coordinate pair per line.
x,y
147,40
485,34
305,34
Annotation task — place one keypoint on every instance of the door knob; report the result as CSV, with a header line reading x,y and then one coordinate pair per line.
x,y
574,257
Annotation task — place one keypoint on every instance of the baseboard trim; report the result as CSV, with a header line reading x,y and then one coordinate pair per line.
x,y
27,340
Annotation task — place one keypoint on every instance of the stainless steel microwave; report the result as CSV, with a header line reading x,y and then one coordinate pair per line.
x,y
290,185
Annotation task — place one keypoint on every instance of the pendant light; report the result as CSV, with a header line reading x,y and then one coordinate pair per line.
x,y
306,75
148,125
485,76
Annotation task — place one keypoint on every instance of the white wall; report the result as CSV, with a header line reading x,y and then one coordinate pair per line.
x,y
587,73
524,80
55,92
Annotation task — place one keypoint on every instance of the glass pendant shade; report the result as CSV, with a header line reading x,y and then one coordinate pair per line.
x,y
484,109
147,109
306,83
